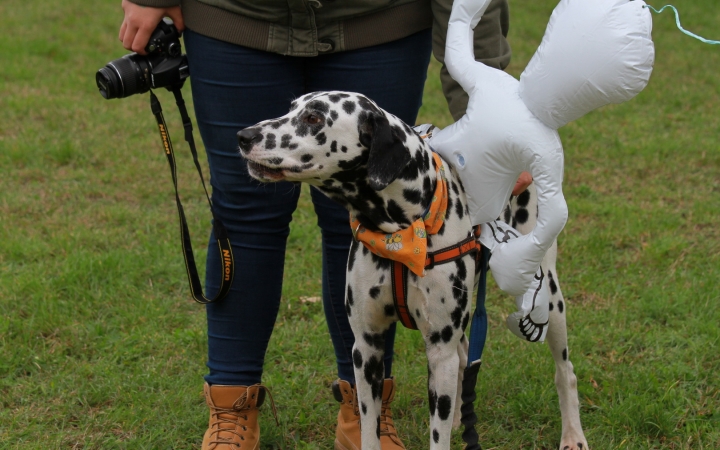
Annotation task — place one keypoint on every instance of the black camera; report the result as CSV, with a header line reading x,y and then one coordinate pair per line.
x,y
163,66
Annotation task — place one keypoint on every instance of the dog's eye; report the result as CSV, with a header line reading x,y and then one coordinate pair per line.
x,y
313,119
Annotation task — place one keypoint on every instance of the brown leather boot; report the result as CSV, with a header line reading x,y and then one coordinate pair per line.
x,y
389,439
347,433
233,417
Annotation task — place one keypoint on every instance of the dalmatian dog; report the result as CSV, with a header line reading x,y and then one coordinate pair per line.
x,y
385,174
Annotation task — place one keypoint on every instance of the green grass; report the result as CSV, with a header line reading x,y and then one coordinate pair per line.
x,y
101,346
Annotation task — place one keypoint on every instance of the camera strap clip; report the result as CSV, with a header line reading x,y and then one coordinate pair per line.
x,y
223,241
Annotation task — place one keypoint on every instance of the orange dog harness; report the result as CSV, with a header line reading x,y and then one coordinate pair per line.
x,y
408,247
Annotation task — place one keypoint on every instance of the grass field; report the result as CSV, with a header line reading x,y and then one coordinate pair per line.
x,y
102,348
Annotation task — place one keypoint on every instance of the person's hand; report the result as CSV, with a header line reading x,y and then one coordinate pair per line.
x,y
141,21
522,183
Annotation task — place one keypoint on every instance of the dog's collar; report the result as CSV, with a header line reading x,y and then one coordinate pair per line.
x,y
409,245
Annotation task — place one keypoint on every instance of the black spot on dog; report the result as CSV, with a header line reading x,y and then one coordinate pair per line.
x,y
443,407
459,210
374,291
436,436
410,172
553,285
447,334
319,105
465,321
363,406
417,313
357,358
507,214
413,196
432,397
382,279
334,98
367,105
434,337
285,140
351,164
561,306
397,213
461,267
456,317
454,187
334,115
343,149
275,161
333,146
399,133
270,142
381,263
348,107
275,124
565,354
376,340
373,371
389,310
551,306
306,158
459,291
321,138
521,216
377,429
524,198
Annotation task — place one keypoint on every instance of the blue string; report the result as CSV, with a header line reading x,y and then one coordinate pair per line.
x,y
677,21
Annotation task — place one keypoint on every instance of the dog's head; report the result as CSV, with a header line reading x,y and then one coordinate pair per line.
x,y
328,138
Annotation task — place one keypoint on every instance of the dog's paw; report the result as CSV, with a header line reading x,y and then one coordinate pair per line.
x,y
575,442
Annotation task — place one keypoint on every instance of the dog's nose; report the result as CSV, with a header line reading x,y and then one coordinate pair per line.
x,y
248,137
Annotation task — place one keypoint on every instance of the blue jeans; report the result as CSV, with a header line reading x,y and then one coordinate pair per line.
x,y
234,87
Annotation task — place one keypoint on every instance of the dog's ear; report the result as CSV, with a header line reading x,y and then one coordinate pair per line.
x,y
388,155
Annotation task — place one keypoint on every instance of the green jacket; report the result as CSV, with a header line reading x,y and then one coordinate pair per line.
x,y
312,27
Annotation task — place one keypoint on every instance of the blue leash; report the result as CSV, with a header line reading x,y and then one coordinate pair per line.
x,y
677,21
478,334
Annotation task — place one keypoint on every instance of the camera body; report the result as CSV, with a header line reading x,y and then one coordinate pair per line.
x,y
163,66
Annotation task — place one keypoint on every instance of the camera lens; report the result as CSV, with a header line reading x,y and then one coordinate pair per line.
x,y
122,77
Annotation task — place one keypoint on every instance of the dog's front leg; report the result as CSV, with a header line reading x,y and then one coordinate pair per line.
x,y
443,364
368,353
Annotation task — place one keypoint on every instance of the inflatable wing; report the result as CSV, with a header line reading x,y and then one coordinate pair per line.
x,y
593,53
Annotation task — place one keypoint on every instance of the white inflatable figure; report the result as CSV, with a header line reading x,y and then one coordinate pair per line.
x,y
594,52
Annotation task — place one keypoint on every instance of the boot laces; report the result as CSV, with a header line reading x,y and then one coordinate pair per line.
x,y
387,426
232,416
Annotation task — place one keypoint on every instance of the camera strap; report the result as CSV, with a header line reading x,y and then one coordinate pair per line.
x,y
221,236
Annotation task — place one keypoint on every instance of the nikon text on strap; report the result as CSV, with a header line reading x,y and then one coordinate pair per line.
x,y
223,242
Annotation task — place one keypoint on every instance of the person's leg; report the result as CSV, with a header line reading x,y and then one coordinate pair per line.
x,y
393,75
235,87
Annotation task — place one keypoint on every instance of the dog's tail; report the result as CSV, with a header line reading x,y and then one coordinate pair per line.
x,y
459,54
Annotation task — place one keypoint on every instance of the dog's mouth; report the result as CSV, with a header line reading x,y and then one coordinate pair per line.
x,y
265,173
